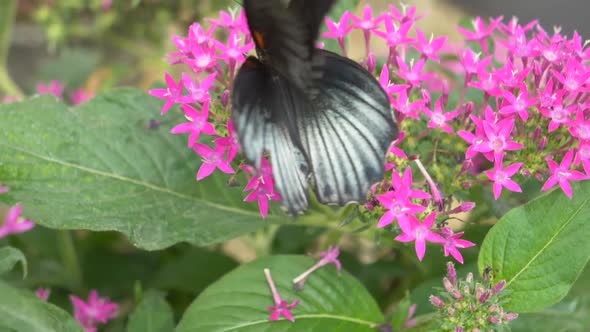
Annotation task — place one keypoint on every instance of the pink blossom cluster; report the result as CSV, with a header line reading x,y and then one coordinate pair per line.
x,y
91,313
529,119
57,88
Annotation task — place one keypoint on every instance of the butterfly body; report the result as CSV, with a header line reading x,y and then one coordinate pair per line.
x,y
320,116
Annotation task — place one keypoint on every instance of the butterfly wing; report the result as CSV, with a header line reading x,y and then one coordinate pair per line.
x,y
281,39
347,131
263,105
311,13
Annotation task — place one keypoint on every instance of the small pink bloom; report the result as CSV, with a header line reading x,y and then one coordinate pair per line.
x,y
231,141
429,47
518,104
80,96
327,257
419,232
562,174
262,186
438,119
55,88
172,93
95,311
212,159
453,243
501,177
339,30
14,224
197,92
198,123
43,293
281,307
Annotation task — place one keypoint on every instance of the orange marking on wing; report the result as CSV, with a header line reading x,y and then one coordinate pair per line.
x,y
259,39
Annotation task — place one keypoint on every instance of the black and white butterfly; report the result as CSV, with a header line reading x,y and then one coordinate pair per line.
x,y
317,114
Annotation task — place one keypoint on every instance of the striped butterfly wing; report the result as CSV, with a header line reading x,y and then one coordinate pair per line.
x,y
347,131
312,13
264,108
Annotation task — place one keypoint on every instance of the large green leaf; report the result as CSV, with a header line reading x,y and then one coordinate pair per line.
x,y
540,248
9,257
100,167
22,311
239,300
153,314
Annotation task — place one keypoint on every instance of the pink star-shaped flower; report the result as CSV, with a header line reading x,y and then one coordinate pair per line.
x,y
212,159
281,307
95,311
413,73
198,92
172,93
395,35
198,123
439,119
453,243
14,224
54,87
429,47
518,104
419,232
562,174
231,141
501,177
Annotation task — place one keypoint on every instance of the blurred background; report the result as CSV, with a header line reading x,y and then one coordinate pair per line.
x,y
98,44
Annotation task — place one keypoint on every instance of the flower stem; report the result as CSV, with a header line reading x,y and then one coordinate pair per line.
x,y
67,250
273,288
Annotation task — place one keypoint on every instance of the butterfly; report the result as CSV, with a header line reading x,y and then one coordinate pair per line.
x,y
323,119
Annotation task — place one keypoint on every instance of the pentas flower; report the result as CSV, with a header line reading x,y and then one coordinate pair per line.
x,y
487,82
501,177
172,94
327,257
399,200
198,123
231,141
261,186
3,189
453,243
562,174
395,35
407,14
212,159
407,107
14,223
233,52
55,88
413,73
583,156
518,104
94,311
559,115
202,57
281,307
80,96
438,118
367,23
389,87
339,30
198,93
499,139
234,21
43,293
429,47
580,127
419,232
481,33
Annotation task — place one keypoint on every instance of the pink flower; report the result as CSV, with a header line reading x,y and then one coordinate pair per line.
x,y
562,174
501,177
14,224
233,21
453,243
233,52
172,94
518,104
499,139
281,307
481,33
406,107
580,127
327,257
198,123
106,4
55,88
212,159
4,189
80,96
43,293
202,57
438,119
339,30
419,232
428,48
389,87
231,141
95,311
198,92
576,75
262,186
413,73
398,201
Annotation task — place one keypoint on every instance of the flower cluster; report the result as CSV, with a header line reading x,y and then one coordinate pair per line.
x,y
57,89
521,111
466,305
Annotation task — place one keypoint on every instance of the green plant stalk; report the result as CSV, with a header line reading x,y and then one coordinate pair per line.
x,y
69,256
7,15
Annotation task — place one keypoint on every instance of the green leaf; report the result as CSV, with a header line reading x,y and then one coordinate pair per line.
x,y
152,314
7,15
24,312
9,257
193,271
239,300
540,248
101,167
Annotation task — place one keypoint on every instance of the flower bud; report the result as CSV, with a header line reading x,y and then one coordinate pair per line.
x,y
225,98
371,62
437,302
498,287
448,285
452,273
494,320
510,316
469,278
